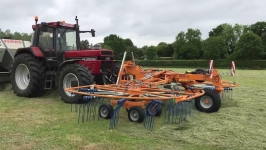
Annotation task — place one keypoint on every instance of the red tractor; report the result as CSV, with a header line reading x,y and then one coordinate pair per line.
x,y
55,59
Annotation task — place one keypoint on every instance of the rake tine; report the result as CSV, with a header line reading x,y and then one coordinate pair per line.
x,y
176,112
79,112
88,109
115,114
151,109
181,113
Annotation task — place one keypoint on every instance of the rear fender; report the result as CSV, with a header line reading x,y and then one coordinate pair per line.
x,y
35,51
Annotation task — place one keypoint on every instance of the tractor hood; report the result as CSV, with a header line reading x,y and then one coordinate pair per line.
x,y
88,53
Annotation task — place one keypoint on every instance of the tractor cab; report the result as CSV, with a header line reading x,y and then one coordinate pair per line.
x,y
60,41
56,36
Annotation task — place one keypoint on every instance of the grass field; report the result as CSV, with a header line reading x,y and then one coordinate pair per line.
x,y
47,123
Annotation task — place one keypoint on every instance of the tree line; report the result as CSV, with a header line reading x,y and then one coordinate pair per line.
x,y
226,41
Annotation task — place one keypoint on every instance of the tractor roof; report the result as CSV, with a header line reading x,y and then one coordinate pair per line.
x,y
58,24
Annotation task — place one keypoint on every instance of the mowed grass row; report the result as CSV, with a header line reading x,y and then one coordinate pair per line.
x,y
47,123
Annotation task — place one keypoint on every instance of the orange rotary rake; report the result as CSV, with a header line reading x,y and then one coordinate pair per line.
x,y
142,100
143,92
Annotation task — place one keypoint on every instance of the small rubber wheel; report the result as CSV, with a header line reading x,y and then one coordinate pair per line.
x,y
209,102
105,111
136,114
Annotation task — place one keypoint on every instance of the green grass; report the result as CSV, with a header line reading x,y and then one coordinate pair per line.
x,y
47,123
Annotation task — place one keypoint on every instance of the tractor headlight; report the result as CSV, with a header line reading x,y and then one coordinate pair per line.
x,y
107,58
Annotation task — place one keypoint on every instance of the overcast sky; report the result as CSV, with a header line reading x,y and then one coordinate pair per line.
x,y
145,22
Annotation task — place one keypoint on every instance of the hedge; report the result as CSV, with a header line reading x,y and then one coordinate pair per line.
x,y
222,64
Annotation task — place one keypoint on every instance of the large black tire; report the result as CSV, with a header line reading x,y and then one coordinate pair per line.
x,y
214,101
79,73
36,70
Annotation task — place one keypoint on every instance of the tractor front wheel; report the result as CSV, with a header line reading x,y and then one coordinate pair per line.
x,y
27,76
73,75
209,102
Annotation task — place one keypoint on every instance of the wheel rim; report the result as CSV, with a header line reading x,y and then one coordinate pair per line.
x,y
22,76
67,83
134,115
104,112
206,102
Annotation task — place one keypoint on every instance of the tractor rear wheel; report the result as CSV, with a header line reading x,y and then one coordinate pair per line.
x,y
27,76
73,75
209,102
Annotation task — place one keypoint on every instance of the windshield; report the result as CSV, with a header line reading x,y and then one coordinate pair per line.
x,y
67,39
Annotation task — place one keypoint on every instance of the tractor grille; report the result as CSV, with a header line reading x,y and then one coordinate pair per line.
x,y
106,65
107,53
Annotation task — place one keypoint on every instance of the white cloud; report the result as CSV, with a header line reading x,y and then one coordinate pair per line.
x,y
145,22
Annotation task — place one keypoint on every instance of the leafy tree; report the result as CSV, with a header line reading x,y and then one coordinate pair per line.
x,y
179,45
127,42
133,49
218,31
161,47
151,53
84,44
16,35
188,45
259,28
214,48
169,51
143,49
239,30
165,50
249,47
231,34
115,43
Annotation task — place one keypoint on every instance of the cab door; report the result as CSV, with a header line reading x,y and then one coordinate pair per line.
x,y
46,43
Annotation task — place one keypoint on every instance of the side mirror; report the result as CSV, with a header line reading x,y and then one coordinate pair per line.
x,y
93,32
44,27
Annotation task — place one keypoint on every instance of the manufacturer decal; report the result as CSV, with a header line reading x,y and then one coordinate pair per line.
x,y
13,41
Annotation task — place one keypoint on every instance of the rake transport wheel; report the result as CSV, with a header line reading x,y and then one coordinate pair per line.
x,y
105,111
209,102
73,75
27,76
136,114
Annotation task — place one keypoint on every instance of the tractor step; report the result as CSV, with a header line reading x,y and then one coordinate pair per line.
x,y
4,77
49,78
